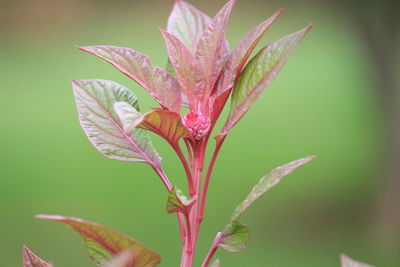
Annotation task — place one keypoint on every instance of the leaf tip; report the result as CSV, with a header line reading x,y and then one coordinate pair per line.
x,y
49,217
308,27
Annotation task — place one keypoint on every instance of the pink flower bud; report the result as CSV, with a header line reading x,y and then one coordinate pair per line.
x,y
197,124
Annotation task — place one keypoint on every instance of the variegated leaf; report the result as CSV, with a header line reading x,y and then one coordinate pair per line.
x,y
159,83
241,54
236,235
178,202
95,100
103,243
166,124
258,75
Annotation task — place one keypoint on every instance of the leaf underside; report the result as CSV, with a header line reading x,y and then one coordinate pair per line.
x,y
95,100
103,243
31,260
236,235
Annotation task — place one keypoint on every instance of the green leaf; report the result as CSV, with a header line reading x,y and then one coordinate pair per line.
x,y
103,243
235,235
215,264
258,75
348,262
178,202
95,100
124,259
31,260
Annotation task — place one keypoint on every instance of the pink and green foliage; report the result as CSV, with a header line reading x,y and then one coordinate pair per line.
x,y
202,74
31,260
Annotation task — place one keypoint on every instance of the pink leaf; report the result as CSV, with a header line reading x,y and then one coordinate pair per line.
x,y
240,55
187,23
186,69
31,260
212,50
258,75
103,243
160,84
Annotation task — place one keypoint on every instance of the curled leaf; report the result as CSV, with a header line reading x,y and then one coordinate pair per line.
x,y
235,235
258,75
31,260
166,124
178,202
103,243
95,100
348,262
160,84
130,118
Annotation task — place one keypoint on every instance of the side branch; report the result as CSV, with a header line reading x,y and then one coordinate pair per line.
x,y
212,250
185,164
208,177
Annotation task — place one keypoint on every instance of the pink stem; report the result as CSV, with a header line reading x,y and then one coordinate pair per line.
x,y
198,164
189,150
181,220
212,250
185,164
208,177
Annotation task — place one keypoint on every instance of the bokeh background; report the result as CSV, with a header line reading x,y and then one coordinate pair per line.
x,y
337,97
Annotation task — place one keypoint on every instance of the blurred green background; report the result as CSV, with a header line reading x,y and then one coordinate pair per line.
x,y
327,101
